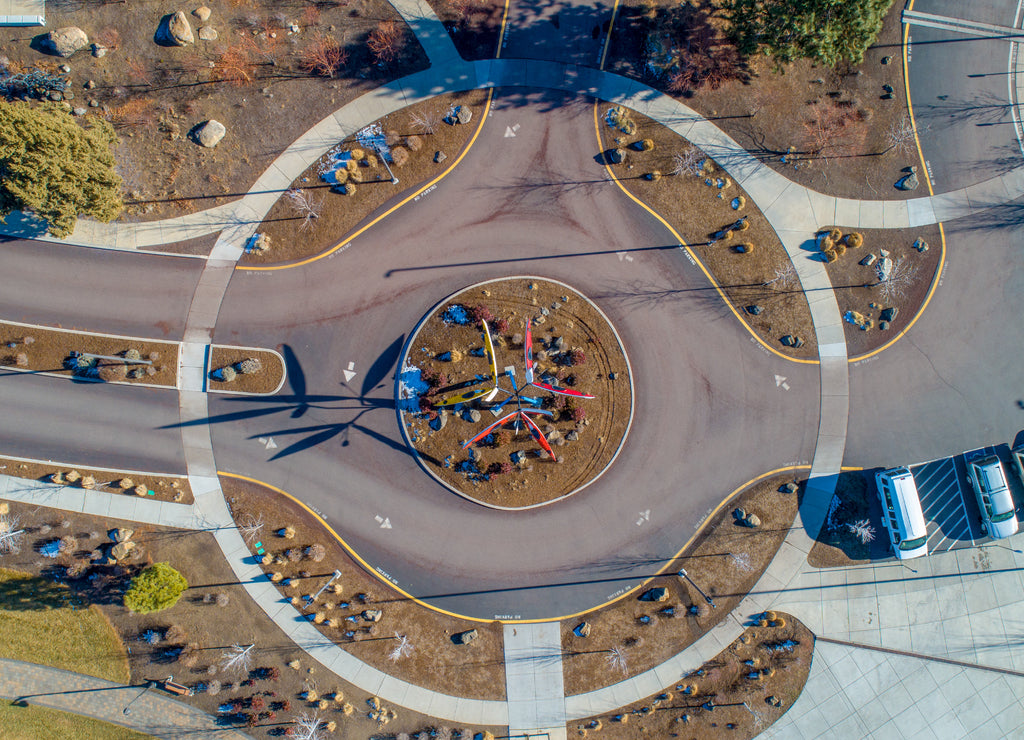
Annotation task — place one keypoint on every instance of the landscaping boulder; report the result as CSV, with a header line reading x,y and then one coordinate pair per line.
x,y
440,156
64,42
884,269
464,638
122,550
438,422
372,615
908,182
174,30
209,133
616,156
753,521
463,114
921,245
868,260
208,33
655,594
888,314
471,415
582,629
121,534
202,13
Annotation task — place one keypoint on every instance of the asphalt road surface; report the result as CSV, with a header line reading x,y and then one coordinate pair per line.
x,y
708,413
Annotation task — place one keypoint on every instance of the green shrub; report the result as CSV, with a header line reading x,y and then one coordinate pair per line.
x,y
156,588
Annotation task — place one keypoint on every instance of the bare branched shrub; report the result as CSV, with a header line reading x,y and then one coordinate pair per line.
x,y
425,122
690,162
306,205
901,278
385,42
323,56
900,135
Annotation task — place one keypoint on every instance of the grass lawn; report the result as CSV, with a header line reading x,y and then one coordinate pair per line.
x,y
32,723
38,624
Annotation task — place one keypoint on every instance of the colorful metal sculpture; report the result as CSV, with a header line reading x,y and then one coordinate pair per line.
x,y
525,405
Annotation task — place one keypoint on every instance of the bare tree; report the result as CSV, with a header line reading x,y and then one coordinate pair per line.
x,y
785,274
617,660
900,135
690,163
238,658
901,278
385,42
10,534
307,206
425,122
862,530
309,727
403,649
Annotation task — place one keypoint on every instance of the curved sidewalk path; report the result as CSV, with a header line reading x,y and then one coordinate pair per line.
x,y
151,713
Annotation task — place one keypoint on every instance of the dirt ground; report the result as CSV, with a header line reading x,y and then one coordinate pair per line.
x,y
725,559
159,487
418,130
858,290
839,545
591,356
265,380
738,694
474,25
192,637
473,670
251,78
834,130
36,349
707,205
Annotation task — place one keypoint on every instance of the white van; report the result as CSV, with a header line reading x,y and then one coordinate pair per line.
x,y
901,513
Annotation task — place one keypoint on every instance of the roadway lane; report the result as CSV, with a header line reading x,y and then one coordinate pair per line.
x,y
708,413
90,423
102,290
571,31
954,382
960,90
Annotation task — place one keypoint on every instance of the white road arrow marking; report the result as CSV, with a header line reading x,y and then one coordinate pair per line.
x,y
350,372
624,256
385,522
270,444
780,380
645,516
509,132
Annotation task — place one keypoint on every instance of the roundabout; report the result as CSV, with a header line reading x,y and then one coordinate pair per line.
x,y
418,478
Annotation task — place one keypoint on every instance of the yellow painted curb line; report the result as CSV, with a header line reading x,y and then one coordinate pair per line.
x,y
371,571
374,222
501,31
937,277
690,252
608,38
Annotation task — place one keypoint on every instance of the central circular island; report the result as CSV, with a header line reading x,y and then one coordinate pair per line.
x,y
515,393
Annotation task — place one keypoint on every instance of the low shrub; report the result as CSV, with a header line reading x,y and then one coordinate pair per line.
x,y
156,588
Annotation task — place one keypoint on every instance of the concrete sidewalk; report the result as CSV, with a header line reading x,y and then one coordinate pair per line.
x,y
151,713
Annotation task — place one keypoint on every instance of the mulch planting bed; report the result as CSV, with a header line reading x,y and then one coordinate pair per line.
x,y
159,487
739,693
36,349
509,468
262,376
725,560
853,533
875,312
436,660
705,207
192,639
259,78
840,123
474,25
418,131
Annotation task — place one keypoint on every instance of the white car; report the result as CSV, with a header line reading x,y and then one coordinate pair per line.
x,y
998,514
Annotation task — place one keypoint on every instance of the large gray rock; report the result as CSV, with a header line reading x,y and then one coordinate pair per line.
x,y
209,133
464,638
884,268
910,182
655,594
208,33
64,42
202,13
174,30
372,615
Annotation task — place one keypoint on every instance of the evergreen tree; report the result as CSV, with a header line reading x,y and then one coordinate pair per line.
x,y
55,168
156,588
826,31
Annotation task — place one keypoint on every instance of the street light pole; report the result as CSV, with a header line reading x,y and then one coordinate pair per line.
x,y
682,574
394,180
314,597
